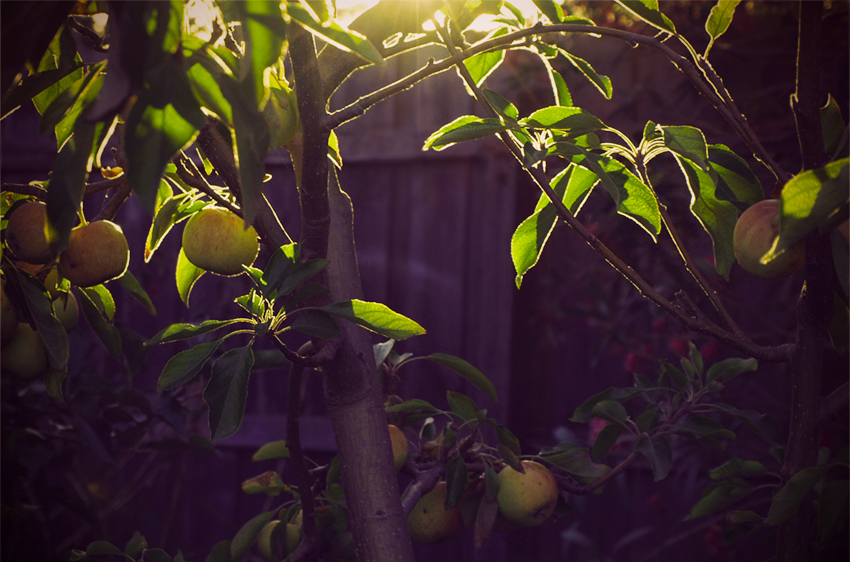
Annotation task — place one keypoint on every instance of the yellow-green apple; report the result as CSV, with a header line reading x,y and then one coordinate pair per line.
x,y
24,355
430,522
753,237
8,315
26,234
527,499
215,239
68,312
96,253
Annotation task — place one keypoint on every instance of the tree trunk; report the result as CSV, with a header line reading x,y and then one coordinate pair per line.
x,y
352,390
797,538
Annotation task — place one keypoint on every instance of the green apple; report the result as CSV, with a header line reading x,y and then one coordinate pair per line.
x,y
68,312
430,522
399,441
753,237
24,355
527,499
215,239
26,234
96,253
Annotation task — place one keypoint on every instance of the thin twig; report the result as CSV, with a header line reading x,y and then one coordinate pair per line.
x,y
189,173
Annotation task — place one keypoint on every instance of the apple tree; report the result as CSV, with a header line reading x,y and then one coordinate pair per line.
x,y
190,102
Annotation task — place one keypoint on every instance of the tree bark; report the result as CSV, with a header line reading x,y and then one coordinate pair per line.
x,y
797,537
352,392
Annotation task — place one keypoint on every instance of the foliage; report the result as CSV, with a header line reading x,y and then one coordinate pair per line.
x,y
167,83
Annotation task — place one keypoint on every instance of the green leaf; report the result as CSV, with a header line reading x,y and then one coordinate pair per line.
x,y
281,264
718,20
130,284
576,461
317,324
647,10
302,273
246,536
658,452
466,371
268,483
560,90
376,317
183,366
788,498
602,82
186,274
67,184
457,477
168,213
551,10
611,411
687,142
734,179
633,198
584,412
573,185
414,405
165,118
576,120
808,200
220,553
737,467
48,326
765,426
605,439
101,548
338,36
462,405
264,31
252,144
272,450
101,296
207,89
482,65
702,428
90,300
156,555
502,106
717,217
508,439
728,369
463,129
719,496
833,128
184,331
227,391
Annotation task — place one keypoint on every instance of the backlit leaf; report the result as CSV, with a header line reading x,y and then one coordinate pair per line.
x,y
183,366
376,317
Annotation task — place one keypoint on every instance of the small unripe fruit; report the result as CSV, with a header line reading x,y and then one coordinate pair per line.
x,y
25,233
96,253
8,316
68,312
24,356
215,240
399,441
527,499
430,522
754,234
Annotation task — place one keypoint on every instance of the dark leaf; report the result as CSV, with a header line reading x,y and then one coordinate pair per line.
x,y
658,452
183,366
227,391
719,496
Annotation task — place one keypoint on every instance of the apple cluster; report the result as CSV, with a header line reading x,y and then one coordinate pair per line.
x,y
97,252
